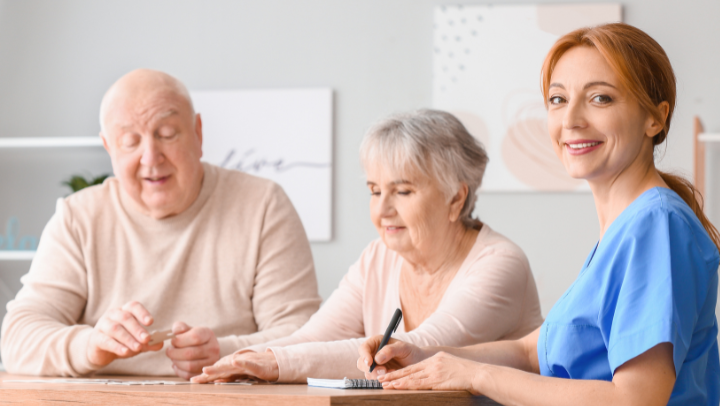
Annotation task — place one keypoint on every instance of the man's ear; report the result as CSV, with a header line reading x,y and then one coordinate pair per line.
x,y
198,128
654,127
105,142
458,201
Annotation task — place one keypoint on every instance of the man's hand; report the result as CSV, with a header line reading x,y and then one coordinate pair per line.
x,y
120,333
192,349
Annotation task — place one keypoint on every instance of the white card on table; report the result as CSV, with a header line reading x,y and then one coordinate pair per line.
x,y
156,337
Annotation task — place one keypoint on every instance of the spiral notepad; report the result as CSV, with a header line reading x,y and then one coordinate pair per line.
x,y
345,383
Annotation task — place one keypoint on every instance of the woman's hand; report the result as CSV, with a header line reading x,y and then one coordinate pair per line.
x,y
442,371
395,355
263,366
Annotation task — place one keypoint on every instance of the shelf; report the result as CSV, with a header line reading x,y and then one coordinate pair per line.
x,y
709,137
17,255
50,142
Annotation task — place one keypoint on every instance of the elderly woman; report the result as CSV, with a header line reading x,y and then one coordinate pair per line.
x,y
457,281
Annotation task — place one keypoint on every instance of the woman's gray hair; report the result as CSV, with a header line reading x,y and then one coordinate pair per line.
x,y
433,142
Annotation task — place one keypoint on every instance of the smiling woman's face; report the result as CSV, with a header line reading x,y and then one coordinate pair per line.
x,y
410,212
597,128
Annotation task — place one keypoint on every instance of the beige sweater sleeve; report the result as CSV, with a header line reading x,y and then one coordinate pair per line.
x,y
483,304
39,335
285,292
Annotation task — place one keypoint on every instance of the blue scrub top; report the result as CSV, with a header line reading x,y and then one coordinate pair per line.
x,y
652,279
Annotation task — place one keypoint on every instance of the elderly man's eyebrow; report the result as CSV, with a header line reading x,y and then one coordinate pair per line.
x,y
598,83
166,114
159,116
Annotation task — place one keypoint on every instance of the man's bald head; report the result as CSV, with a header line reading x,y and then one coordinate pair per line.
x,y
139,87
154,139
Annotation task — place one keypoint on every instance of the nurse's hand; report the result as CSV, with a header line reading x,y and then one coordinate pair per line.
x,y
262,366
442,371
393,356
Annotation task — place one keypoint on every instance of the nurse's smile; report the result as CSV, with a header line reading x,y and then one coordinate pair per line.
x,y
581,147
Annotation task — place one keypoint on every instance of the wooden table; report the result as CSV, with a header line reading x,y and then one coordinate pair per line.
x,y
267,394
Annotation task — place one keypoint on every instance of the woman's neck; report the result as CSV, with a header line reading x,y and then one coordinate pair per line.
x,y
615,194
448,253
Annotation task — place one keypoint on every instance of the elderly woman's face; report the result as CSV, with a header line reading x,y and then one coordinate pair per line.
x,y
410,212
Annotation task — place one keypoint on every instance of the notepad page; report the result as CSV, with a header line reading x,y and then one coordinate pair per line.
x,y
327,383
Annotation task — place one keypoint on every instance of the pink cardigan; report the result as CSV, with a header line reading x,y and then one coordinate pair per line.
x,y
492,297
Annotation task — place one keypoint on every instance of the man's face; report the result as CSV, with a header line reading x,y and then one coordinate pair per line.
x,y
155,143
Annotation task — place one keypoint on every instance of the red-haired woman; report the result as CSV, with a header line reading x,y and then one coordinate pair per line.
x,y
638,325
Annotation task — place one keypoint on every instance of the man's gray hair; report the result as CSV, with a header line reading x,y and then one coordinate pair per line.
x,y
436,144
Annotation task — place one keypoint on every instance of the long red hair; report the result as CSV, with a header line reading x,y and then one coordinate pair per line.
x,y
645,71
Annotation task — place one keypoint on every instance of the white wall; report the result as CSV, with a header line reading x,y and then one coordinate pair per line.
x,y
58,57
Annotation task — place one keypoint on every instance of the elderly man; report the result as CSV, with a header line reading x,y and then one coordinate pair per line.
x,y
219,255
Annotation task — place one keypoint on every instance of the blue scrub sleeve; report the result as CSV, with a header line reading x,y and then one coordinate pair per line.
x,y
655,289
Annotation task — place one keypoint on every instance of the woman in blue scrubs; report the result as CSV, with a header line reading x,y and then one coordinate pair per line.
x,y
638,325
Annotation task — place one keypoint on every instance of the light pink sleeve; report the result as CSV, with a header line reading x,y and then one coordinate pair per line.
x,y
339,318
485,302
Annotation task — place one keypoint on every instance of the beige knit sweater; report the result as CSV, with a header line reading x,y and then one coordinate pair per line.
x,y
236,261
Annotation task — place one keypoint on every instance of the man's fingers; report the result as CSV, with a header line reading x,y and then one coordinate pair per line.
x,y
117,330
180,327
139,312
156,347
186,354
193,366
191,338
183,374
131,324
107,343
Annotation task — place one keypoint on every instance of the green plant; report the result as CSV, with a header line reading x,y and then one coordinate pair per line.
x,y
78,182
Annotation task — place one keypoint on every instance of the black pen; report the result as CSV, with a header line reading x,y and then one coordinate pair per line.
x,y
392,327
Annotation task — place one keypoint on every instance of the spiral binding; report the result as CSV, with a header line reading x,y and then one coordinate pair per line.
x,y
365,383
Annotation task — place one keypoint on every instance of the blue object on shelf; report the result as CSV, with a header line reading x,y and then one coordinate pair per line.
x,y
11,242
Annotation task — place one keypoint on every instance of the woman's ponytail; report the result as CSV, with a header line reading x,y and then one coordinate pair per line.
x,y
694,199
